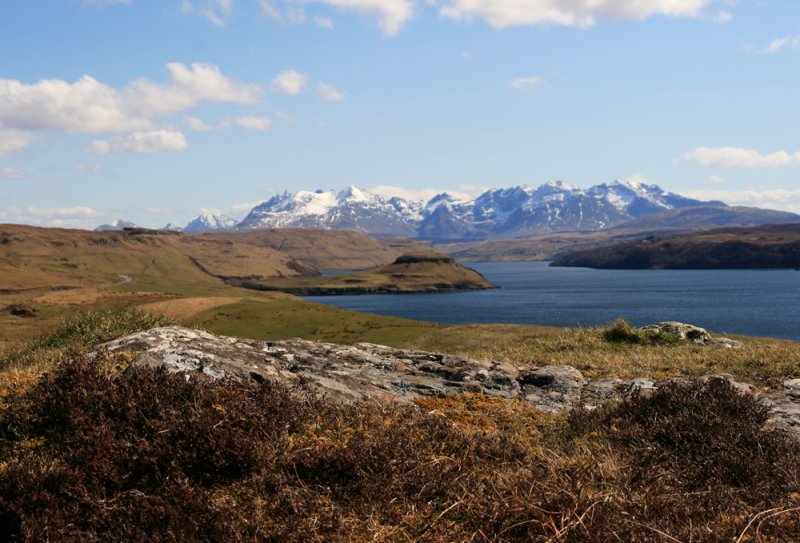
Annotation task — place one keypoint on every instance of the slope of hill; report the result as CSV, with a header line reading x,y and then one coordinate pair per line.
x,y
770,246
410,273
708,216
51,258
324,249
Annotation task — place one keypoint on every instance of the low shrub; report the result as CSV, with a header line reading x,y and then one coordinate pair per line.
x,y
97,452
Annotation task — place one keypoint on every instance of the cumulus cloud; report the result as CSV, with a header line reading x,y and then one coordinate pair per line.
x,y
253,122
785,199
391,14
739,157
289,82
786,42
141,142
580,13
89,106
198,125
13,141
329,93
12,174
528,83
65,217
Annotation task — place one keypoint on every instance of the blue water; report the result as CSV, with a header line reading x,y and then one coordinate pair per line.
x,y
751,302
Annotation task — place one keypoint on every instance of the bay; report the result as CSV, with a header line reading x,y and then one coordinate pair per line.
x,y
751,302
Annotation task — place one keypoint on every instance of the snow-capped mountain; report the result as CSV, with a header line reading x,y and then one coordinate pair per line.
x,y
348,209
116,225
553,207
206,221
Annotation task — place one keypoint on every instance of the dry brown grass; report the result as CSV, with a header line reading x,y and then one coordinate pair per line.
x,y
760,361
95,453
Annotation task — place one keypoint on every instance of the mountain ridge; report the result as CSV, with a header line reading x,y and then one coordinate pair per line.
x,y
517,211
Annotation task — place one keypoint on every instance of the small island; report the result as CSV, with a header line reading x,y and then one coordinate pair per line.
x,y
417,272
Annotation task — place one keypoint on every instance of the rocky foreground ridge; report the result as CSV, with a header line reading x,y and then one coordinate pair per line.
x,y
369,371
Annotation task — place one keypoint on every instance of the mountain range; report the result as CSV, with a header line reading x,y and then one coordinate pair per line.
x,y
496,214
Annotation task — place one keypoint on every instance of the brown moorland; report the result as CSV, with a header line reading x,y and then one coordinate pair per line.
x,y
768,246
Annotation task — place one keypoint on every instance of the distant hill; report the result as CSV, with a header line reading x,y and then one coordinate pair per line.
x,y
699,216
54,258
409,273
760,247
324,249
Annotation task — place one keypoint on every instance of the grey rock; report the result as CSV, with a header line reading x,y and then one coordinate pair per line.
x,y
683,331
690,332
367,371
552,388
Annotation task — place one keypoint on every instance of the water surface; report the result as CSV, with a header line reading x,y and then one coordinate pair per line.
x,y
751,302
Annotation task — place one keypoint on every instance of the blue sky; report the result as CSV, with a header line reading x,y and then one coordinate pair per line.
x,y
156,111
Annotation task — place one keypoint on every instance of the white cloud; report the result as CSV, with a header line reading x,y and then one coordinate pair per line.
x,y
323,22
64,217
252,122
787,200
580,13
391,14
786,42
717,180
12,174
13,141
329,93
198,125
141,142
289,82
528,83
88,106
739,157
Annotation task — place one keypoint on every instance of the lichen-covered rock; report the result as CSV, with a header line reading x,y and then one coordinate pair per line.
x,y
552,388
365,370
690,332
683,331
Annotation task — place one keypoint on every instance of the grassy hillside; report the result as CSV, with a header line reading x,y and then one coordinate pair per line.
x,y
51,258
412,272
771,246
323,249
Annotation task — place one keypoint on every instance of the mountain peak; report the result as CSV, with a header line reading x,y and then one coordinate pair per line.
x,y
115,225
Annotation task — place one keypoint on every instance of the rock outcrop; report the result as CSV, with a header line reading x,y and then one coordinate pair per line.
x,y
690,332
368,371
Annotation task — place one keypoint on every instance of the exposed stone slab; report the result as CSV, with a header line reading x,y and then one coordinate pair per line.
x,y
365,370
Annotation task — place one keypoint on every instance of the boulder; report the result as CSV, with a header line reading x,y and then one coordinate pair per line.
x,y
683,331
690,332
